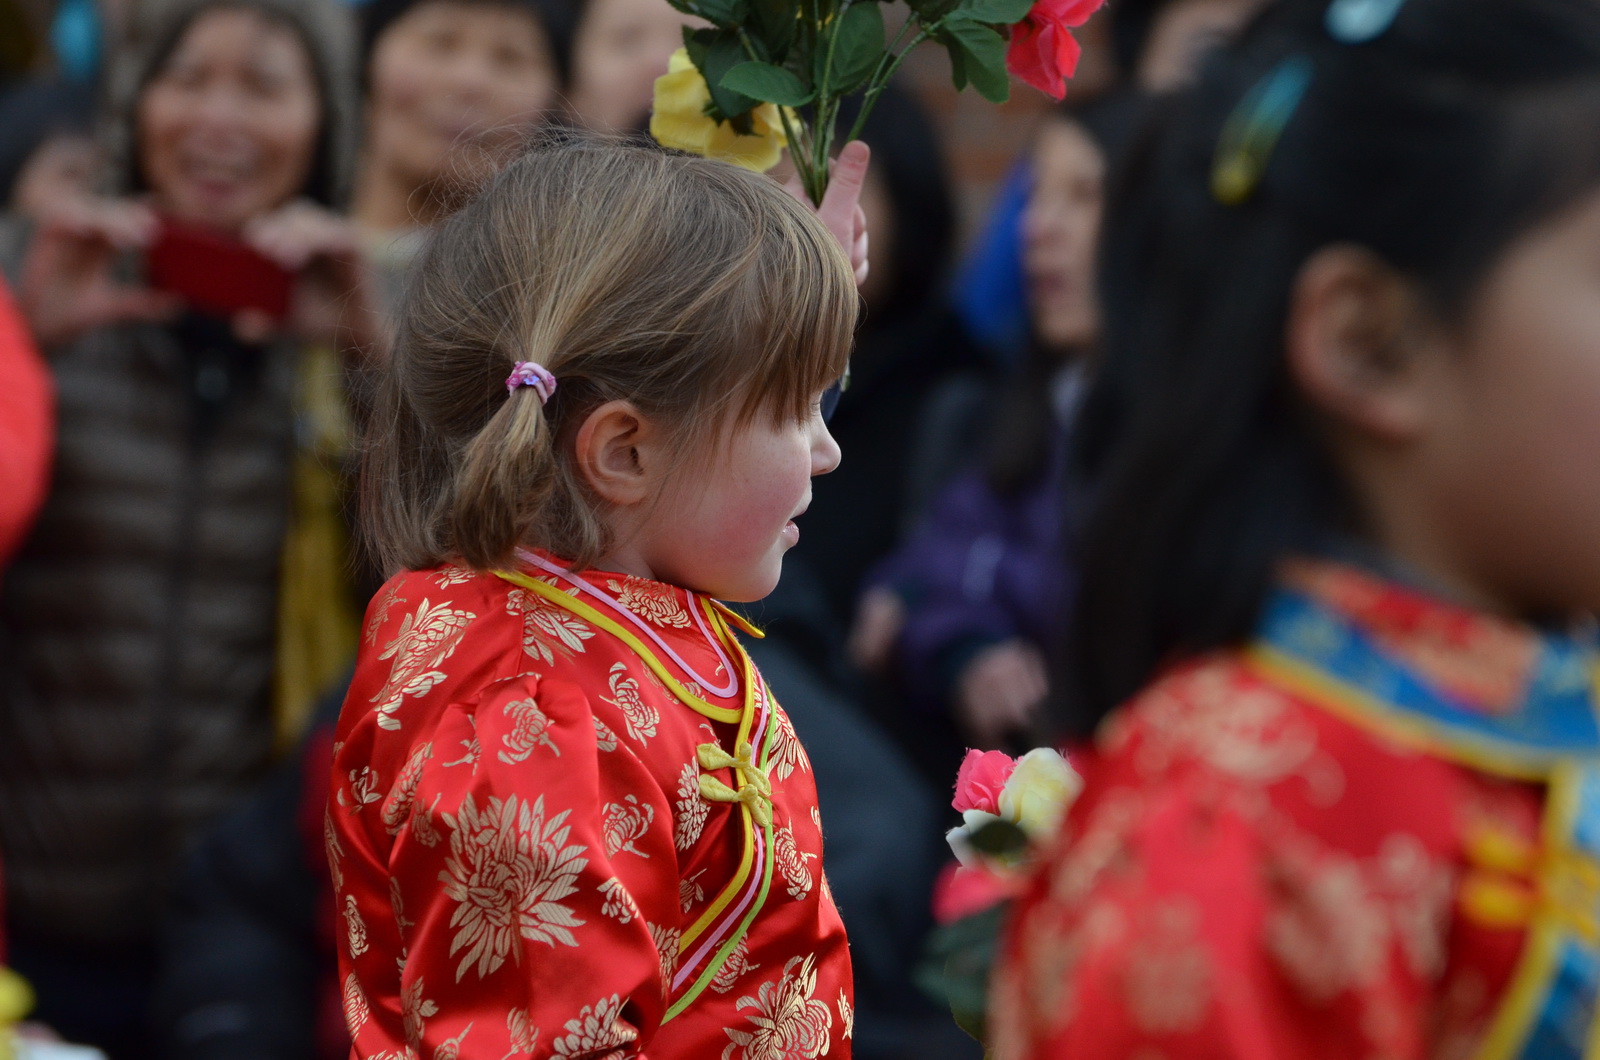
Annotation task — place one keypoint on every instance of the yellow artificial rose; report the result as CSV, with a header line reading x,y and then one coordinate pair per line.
x,y
16,1000
1039,791
679,120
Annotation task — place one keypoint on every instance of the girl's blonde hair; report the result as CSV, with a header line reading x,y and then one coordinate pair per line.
x,y
687,287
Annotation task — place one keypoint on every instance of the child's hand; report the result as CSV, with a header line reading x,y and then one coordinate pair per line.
x,y
1000,692
841,203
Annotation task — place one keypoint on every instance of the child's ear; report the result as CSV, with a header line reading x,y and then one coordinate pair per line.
x,y
618,453
1356,345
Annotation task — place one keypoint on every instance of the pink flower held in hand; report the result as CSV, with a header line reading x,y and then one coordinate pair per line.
x,y
978,785
1043,51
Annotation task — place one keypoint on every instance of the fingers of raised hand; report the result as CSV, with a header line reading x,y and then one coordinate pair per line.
x,y
300,233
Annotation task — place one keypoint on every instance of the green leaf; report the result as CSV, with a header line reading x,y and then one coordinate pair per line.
x,y
983,58
957,964
774,24
714,52
858,49
958,65
725,13
999,837
771,83
994,12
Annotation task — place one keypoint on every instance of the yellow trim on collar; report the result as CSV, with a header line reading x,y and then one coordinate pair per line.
x,y
590,614
1357,707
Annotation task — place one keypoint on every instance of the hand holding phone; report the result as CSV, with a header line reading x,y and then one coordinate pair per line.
x,y
70,284
217,274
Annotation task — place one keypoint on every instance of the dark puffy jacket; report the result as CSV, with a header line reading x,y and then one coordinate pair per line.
x,y
248,968
137,623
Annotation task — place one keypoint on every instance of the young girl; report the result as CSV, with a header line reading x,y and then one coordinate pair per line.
x,y
1348,519
568,819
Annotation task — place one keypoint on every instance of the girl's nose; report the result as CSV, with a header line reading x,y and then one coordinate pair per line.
x,y
825,454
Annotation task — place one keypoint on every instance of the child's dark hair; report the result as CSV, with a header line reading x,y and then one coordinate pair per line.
x,y
1434,144
688,287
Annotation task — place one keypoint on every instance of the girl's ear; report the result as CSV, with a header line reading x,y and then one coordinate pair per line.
x,y
619,453
1356,345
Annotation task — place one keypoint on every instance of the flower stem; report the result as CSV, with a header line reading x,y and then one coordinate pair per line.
x,y
881,79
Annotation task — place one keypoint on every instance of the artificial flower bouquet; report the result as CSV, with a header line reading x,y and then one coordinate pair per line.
x,y
1008,806
772,73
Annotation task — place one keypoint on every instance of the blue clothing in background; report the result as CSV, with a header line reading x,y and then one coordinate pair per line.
x,y
990,289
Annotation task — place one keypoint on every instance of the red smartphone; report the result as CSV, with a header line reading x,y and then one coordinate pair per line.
x,y
216,273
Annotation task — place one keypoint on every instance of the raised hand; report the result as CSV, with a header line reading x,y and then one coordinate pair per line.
x,y
841,204
1000,692
69,285
332,294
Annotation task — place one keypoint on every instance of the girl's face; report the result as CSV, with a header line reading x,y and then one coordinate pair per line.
x,y
1059,228
621,47
227,128
1512,454
449,75
725,531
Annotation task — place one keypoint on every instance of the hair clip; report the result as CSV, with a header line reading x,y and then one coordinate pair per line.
x,y
1253,129
1359,21
527,373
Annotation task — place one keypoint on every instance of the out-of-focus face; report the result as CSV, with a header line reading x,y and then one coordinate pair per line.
x,y
65,166
1059,228
453,84
227,128
1183,33
621,47
1506,474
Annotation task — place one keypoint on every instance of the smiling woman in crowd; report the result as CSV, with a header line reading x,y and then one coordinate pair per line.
x,y
151,652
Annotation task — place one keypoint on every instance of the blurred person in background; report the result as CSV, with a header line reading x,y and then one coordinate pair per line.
x,y
48,152
1161,44
1159,47
182,592
451,87
619,48
967,609
1334,635
248,965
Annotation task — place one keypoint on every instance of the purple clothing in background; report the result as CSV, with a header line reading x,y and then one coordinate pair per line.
x,y
981,569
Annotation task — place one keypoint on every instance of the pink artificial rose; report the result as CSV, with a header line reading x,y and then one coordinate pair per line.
x,y
962,892
978,784
1043,51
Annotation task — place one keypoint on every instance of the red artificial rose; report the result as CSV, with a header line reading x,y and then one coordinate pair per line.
x,y
978,784
1042,51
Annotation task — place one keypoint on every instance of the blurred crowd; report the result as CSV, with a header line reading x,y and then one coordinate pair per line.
x,y
209,208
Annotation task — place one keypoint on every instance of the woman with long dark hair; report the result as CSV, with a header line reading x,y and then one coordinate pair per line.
x,y
1331,633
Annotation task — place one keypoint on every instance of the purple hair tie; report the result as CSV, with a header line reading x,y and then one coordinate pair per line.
x,y
528,373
